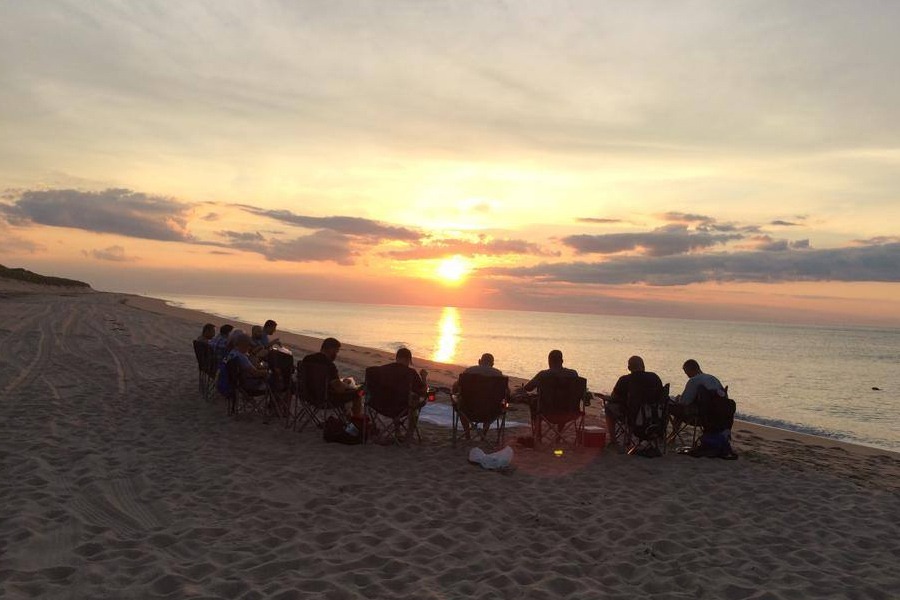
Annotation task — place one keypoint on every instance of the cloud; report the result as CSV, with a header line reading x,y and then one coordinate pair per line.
x,y
780,223
766,243
354,226
242,236
664,241
112,253
133,214
878,240
116,211
879,263
681,217
321,246
597,220
13,244
800,244
483,247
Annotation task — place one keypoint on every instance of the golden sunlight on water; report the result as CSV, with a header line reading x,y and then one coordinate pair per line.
x,y
448,335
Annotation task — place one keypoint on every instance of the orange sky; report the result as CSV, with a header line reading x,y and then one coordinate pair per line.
x,y
720,160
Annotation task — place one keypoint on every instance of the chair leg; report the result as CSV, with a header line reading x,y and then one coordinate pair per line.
x,y
455,420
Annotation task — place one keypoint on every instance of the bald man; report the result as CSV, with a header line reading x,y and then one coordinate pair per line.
x,y
636,382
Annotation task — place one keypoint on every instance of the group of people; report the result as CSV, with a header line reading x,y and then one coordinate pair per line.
x,y
251,350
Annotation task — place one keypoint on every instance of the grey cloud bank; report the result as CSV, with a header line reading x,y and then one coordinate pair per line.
x,y
868,263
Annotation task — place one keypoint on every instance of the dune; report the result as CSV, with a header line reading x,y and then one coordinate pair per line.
x,y
120,481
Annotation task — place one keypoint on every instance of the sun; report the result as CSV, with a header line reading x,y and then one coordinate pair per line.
x,y
453,270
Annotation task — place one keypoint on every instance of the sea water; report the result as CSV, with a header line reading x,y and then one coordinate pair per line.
x,y
812,379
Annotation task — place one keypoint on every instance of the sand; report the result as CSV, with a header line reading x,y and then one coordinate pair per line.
x,y
119,481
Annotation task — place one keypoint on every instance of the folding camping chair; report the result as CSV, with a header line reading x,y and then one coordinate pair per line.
x,y
483,400
698,417
647,420
244,399
315,401
206,368
387,404
559,405
281,363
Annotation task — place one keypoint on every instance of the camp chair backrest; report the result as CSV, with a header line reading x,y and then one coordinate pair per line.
x,y
205,357
647,410
387,390
561,397
643,395
716,412
482,397
314,382
282,365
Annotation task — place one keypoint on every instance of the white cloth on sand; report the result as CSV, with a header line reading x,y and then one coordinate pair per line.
x,y
495,460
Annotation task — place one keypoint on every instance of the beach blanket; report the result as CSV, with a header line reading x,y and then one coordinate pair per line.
x,y
440,414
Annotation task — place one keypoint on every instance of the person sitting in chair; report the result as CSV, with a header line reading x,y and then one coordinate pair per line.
x,y
269,328
220,342
252,377
418,385
485,366
208,333
683,406
637,382
257,343
556,369
339,389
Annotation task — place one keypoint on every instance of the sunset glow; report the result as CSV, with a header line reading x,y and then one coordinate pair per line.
x,y
614,172
453,270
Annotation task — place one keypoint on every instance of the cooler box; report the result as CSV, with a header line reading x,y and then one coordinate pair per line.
x,y
594,437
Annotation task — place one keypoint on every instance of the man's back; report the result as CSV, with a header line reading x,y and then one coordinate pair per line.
x,y
698,381
397,372
484,370
637,384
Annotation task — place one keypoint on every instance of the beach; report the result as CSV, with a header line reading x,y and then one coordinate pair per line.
x,y
120,481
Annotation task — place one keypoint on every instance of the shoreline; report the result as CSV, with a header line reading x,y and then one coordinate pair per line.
x,y
123,482
363,356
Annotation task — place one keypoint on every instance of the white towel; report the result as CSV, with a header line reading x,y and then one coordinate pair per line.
x,y
495,460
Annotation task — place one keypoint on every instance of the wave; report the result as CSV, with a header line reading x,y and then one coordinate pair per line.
x,y
840,436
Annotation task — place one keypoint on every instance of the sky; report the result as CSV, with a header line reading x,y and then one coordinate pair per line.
x,y
700,159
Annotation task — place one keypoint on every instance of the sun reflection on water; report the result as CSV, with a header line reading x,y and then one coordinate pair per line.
x,y
448,335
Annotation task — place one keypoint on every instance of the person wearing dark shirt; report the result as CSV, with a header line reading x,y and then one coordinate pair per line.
x,y
208,333
636,383
417,382
485,366
556,369
338,389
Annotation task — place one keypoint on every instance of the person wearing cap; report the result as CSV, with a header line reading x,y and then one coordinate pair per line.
x,y
417,381
337,387
485,366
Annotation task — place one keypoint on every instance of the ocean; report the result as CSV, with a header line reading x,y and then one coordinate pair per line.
x,y
818,380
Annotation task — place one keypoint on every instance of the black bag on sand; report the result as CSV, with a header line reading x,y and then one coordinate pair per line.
x,y
335,430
